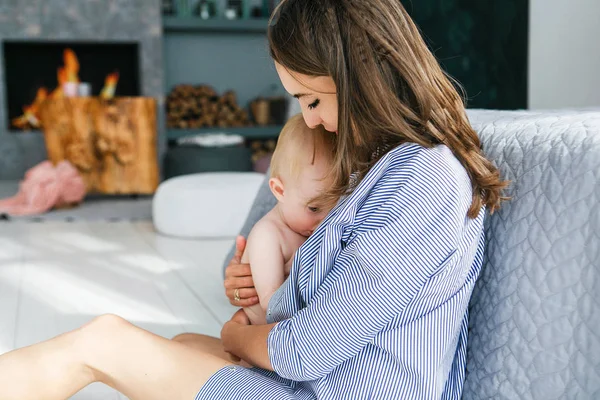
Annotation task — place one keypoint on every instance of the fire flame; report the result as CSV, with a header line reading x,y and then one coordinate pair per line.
x,y
69,72
110,85
30,112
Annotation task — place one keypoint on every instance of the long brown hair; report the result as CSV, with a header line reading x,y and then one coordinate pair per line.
x,y
390,87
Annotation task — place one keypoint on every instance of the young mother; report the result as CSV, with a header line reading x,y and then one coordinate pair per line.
x,y
376,302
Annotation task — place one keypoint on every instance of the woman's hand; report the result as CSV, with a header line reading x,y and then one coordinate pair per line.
x,y
238,279
239,318
246,342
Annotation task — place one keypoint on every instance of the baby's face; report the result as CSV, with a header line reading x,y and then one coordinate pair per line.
x,y
300,214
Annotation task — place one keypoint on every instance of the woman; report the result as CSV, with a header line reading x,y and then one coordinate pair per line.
x,y
376,302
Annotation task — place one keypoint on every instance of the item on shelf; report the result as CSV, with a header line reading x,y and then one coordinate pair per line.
x,y
234,9
260,111
246,9
217,139
263,164
257,12
201,107
262,148
254,9
278,109
269,111
183,8
231,14
185,160
206,9
168,7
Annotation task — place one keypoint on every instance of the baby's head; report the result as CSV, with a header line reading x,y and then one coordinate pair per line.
x,y
299,174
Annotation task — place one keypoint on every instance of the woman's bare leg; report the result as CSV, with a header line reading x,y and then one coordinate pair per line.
x,y
203,343
208,345
137,363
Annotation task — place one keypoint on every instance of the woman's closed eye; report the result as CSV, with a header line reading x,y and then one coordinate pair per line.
x,y
314,104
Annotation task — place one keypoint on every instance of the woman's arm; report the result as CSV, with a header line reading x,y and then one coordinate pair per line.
x,y
375,277
248,342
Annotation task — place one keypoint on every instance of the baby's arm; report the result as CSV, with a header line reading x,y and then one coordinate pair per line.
x,y
266,260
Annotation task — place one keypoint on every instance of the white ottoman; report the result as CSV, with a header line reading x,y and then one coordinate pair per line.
x,y
203,205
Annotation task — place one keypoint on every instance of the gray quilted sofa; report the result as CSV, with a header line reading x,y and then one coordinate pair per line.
x,y
535,311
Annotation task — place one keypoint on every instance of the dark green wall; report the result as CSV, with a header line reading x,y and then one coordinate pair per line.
x,y
482,44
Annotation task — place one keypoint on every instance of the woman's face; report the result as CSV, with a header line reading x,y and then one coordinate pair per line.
x,y
317,97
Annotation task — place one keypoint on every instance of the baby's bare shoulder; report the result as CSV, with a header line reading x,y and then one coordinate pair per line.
x,y
264,240
265,228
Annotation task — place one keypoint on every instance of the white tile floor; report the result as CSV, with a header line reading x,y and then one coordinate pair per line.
x,y
55,276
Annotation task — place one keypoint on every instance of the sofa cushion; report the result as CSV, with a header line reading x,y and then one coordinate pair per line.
x,y
535,310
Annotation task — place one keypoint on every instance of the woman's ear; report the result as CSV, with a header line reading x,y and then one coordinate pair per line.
x,y
276,187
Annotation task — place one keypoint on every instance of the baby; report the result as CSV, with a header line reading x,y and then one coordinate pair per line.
x,y
299,170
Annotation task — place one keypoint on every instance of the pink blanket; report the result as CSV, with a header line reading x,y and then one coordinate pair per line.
x,y
45,187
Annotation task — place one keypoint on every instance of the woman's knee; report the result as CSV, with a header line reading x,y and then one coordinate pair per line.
x,y
96,338
107,323
183,337
101,331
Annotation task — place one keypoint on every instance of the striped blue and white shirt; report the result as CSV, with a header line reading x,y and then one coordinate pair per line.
x,y
375,306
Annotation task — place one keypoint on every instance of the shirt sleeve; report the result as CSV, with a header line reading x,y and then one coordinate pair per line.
x,y
374,278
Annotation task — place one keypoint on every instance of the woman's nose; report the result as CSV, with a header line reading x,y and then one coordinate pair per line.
x,y
312,119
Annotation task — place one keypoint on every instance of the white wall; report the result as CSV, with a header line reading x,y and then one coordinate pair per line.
x,y
564,53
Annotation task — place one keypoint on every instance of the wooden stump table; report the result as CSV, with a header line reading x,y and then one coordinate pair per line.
x,y
111,142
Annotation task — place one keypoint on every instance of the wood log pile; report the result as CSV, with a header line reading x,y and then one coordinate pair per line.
x,y
262,148
192,107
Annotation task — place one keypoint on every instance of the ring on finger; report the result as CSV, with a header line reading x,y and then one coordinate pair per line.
x,y
236,295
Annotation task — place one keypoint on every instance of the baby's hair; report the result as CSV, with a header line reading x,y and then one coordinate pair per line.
x,y
299,146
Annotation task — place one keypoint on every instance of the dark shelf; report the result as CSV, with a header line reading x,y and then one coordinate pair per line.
x,y
196,24
254,132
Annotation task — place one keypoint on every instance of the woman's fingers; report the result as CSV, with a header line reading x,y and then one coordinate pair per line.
x,y
237,270
252,301
238,277
244,293
233,358
238,283
241,317
248,297
240,245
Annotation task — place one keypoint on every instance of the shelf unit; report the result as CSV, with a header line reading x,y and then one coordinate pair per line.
x,y
218,26
252,132
196,24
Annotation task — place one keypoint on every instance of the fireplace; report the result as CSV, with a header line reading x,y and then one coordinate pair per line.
x,y
35,71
